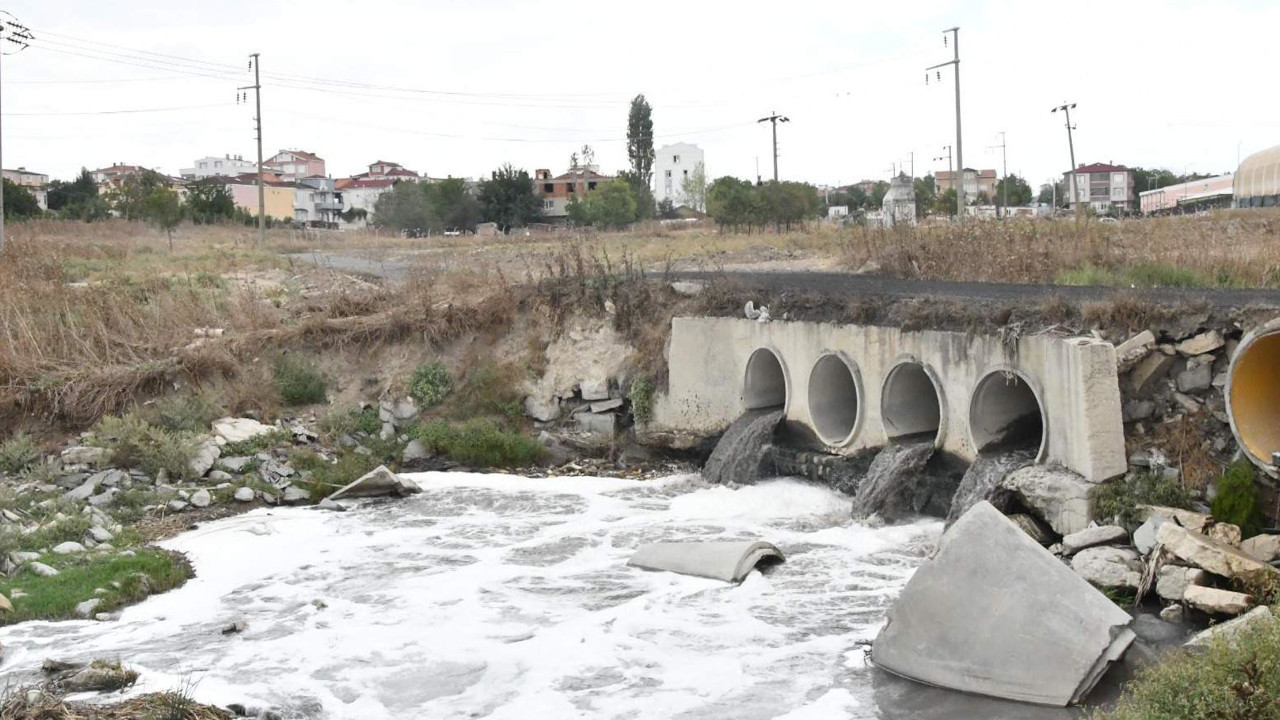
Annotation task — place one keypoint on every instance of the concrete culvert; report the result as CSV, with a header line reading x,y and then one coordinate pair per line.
x,y
765,385
1005,413
910,403
833,398
1253,394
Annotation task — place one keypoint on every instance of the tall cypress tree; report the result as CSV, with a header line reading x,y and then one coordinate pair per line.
x,y
640,139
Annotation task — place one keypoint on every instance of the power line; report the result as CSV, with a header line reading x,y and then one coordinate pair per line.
x,y
111,112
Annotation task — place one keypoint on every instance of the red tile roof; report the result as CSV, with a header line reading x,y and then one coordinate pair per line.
x,y
1100,168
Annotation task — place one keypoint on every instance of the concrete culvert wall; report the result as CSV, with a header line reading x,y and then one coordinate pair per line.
x,y
1253,395
1005,412
765,384
834,396
910,403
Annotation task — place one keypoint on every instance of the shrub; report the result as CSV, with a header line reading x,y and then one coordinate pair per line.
x,y
430,384
1234,679
134,443
299,383
1121,498
1237,501
479,443
348,421
257,443
641,397
488,390
19,453
326,477
184,413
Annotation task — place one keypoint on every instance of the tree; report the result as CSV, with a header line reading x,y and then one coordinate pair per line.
x,y
1144,179
129,199
612,205
729,202
667,209
640,140
163,208
646,208
78,199
926,194
452,205
404,208
1019,191
508,199
209,202
19,203
982,199
693,188
878,191
945,203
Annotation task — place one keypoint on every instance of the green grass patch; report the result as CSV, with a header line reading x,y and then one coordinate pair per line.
x,y
1121,498
126,580
19,453
349,421
70,528
479,443
1148,275
430,384
1237,679
641,397
298,382
325,477
1238,501
191,412
488,390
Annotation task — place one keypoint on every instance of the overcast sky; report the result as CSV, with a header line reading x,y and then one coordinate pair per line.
x,y
454,88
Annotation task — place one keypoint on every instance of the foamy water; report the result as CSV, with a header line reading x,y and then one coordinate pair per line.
x,y
506,597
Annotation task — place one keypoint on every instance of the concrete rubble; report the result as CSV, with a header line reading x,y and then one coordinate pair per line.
x,y
1265,548
1109,567
980,614
379,482
729,561
1231,628
1089,537
1057,495
1216,601
1203,552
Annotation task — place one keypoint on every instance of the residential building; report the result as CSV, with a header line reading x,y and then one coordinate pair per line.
x,y
316,200
975,182
227,165
1191,195
383,169
34,182
113,176
277,195
672,165
1102,186
295,164
556,192
361,193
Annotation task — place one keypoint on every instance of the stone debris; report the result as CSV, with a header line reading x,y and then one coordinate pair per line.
x,y
234,627
1057,495
1173,581
1198,375
1216,601
1109,567
5,605
206,454
594,389
1229,629
41,569
68,548
201,498
1134,349
1225,533
1200,344
87,608
729,561
244,494
379,482
1089,537
295,495
236,430
1203,552
84,455
1265,548
1144,376
414,450
969,620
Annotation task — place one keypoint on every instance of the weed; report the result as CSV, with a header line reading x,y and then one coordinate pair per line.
x,y
641,397
19,453
1238,501
348,421
479,443
488,390
1120,499
430,384
298,382
134,443
126,578
191,412
326,477
257,444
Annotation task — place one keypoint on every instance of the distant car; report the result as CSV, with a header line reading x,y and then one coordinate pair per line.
x,y
452,233
1108,220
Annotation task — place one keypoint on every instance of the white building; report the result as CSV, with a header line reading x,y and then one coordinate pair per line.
x,y
34,183
227,166
1103,186
672,164
361,194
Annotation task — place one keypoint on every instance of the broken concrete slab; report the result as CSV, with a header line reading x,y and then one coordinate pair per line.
x,y
729,561
379,482
1216,601
1188,519
980,614
1174,580
603,424
1059,496
1134,349
594,389
1089,537
1225,533
1197,377
235,430
1231,628
1203,343
1142,378
1263,547
604,406
1109,567
1203,552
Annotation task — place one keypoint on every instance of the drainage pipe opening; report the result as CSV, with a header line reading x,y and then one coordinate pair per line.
x,y
1253,395
1005,413
834,392
911,404
765,385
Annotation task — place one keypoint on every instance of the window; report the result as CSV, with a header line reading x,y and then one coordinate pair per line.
x,y
548,188
591,186
686,174
204,165
675,159
217,163
667,173
548,204
569,188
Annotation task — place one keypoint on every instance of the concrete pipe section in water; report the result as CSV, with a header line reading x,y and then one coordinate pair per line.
x,y
1005,412
835,388
911,403
765,384
1253,395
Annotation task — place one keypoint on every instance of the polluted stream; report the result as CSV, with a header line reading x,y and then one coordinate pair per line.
x,y
508,597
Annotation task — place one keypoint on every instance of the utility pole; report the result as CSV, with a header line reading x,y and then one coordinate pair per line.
x,y
1066,109
955,62
16,34
912,159
1004,169
774,118
257,100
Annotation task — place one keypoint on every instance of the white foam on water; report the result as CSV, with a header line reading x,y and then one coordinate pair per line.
x,y
507,597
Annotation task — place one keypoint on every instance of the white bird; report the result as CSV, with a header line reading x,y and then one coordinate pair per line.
x,y
752,313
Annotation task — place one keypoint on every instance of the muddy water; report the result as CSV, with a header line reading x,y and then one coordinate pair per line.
x,y
984,474
890,487
737,457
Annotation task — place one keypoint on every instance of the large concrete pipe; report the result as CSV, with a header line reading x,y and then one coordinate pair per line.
x,y
765,384
1253,395
911,403
835,388
1006,412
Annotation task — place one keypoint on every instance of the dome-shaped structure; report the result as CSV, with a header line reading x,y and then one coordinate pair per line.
x,y
1257,182
899,202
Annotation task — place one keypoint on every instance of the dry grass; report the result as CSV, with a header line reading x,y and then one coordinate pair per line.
x,y
152,706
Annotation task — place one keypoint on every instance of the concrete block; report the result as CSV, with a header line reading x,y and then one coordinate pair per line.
x,y
1173,581
1263,547
1143,377
1197,377
1134,349
1215,601
1204,552
1203,343
1060,497
993,613
1089,537
604,424
727,561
